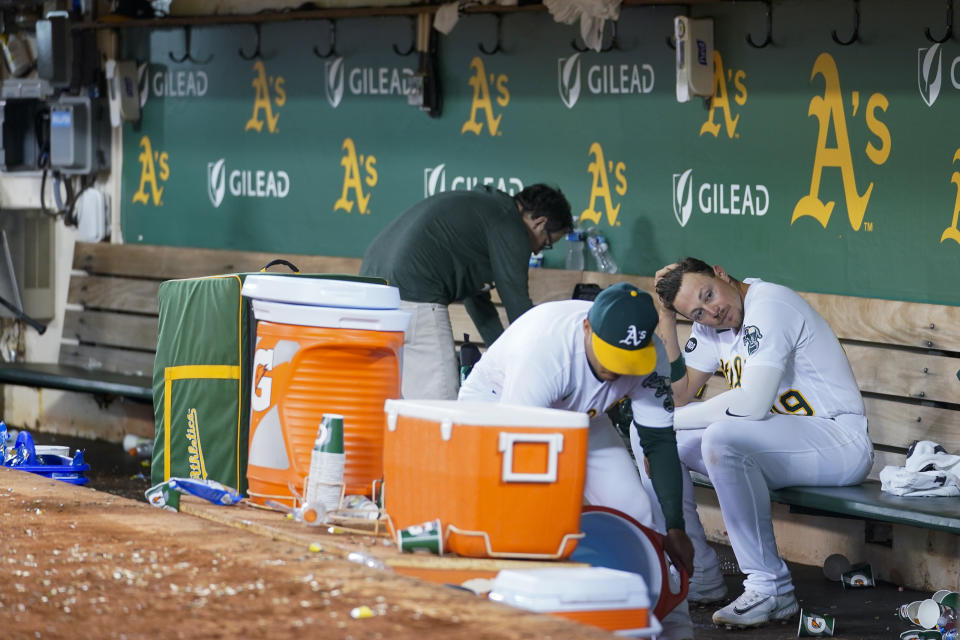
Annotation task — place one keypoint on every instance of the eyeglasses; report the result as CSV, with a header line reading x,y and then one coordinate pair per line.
x,y
548,244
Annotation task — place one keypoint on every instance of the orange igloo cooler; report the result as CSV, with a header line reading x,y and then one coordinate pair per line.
x,y
336,350
505,481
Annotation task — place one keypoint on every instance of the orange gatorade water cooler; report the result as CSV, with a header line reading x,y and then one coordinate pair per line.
x,y
322,346
505,481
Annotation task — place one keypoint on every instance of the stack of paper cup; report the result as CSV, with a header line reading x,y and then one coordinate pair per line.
x,y
325,479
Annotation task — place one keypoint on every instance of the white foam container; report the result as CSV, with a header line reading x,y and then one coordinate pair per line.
x,y
581,589
321,292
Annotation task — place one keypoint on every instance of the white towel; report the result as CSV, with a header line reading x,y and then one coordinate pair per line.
x,y
593,14
928,471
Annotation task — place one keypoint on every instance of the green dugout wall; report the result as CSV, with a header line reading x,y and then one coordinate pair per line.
x,y
824,167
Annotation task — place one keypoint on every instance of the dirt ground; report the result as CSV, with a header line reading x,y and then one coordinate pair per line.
x,y
98,562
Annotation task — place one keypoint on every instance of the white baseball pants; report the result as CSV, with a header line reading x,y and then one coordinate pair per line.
x,y
746,458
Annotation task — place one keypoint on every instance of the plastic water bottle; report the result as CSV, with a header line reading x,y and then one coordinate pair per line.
x,y
536,259
469,355
574,261
601,252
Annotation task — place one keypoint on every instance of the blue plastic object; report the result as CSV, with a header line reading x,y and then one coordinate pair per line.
x,y
23,457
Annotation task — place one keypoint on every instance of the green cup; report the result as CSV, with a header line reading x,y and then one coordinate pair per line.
x,y
951,600
859,576
330,433
427,536
815,624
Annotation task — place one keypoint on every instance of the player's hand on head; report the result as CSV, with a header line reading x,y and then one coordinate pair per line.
x,y
679,548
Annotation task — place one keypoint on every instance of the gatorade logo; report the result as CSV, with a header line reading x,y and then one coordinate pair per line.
x,y
267,89
262,382
154,167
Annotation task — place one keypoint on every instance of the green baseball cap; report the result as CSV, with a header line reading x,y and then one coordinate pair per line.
x,y
623,319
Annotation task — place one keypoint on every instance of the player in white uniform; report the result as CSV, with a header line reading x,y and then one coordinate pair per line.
x,y
793,416
586,357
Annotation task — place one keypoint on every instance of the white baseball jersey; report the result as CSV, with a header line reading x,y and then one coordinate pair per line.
x,y
780,330
541,361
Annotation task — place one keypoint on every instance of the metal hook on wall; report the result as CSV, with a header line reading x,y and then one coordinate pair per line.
x,y
256,50
768,39
614,40
332,51
188,55
856,27
413,39
949,33
498,47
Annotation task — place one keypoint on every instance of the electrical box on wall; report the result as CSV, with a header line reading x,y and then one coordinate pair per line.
x,y
23,125
79,137
54,49
694,57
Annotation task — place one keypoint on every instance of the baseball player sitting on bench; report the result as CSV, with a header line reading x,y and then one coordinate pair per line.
x,y
586,357
793,416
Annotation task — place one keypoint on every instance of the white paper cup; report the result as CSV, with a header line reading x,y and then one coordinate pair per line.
x,y
928,613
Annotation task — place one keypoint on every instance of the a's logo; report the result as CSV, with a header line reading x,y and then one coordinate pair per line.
x,y
721,98
568,79
333,81
634,338
717,198
353,166
245,183
198,469
216,181
829,109
951,232
691,345
435,181
600,187
262,85
929,73
482,100
154,167
683,196
751,339
662,387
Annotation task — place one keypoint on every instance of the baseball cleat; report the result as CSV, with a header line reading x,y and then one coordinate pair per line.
x,y
753,609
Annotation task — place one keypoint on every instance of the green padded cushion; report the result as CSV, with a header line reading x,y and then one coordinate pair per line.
x,y
73,378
